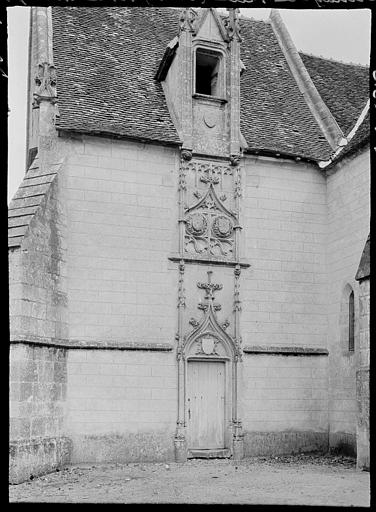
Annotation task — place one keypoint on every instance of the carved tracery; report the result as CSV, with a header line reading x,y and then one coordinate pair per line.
x,y
209,224
208,334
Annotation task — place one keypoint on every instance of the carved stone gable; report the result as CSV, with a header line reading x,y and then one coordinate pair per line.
x,y
210,26
208,337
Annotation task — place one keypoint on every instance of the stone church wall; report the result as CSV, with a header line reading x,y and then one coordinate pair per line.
x,y
362,377
121,203
106,387
285,397
121,405
348,228
38,304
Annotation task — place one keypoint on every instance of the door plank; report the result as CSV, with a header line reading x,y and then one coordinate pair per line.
x,y
205,402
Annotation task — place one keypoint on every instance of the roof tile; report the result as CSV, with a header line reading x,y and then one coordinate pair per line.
x,y
107,58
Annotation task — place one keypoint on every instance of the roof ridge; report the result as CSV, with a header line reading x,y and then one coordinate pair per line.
x,y
349,137
243,17
320,111
330,59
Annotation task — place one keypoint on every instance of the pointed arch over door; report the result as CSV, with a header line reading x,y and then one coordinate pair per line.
x,y
208,392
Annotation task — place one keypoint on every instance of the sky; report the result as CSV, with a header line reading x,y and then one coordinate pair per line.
x,y
340,34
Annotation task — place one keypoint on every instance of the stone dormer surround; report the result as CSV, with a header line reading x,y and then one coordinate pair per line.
x,y
207,124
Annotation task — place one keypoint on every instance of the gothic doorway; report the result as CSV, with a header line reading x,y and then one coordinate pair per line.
x,y
208,357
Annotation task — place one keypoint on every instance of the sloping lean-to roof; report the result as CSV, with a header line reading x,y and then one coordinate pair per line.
x,y
28,199
364,270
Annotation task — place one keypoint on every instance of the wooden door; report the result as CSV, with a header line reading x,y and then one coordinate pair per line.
x,y
206,404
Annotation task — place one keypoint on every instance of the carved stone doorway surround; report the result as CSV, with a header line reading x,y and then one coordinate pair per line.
x,y
209,233
208,341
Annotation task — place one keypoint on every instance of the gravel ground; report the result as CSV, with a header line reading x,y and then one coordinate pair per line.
x,y
288,480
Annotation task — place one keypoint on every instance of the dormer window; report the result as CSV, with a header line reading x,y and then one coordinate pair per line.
x,y
208,73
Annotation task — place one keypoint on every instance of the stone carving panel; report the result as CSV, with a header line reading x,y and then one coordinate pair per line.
x,y
209,219
210,130
207,345
208,336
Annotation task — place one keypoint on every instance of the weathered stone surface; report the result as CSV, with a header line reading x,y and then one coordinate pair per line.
x,y
37,409
347,231
37,456
343,443
276,443
362,378
144,446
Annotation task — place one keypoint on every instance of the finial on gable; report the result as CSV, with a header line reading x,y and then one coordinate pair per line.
x,y
187,20
43,69
232,24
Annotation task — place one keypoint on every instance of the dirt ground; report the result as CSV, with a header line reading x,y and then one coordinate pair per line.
x,y
288,480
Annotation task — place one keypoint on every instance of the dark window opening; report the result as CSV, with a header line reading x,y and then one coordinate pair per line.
x,y
351,322
30,157
207,70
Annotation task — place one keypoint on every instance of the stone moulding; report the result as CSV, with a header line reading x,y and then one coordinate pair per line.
x,y
208,261
204,98
294,351
90,345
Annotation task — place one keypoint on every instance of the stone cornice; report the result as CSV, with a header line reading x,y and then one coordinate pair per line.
x,y
90,345
295,351
208,261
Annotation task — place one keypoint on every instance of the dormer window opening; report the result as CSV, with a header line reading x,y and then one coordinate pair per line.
x,y
208,69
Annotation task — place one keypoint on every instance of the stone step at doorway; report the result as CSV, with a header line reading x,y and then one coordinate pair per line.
x,y
224,453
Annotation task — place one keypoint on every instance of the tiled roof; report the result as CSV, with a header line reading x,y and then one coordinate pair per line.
x,y
107,57
360,139
273,113
27,200
343,87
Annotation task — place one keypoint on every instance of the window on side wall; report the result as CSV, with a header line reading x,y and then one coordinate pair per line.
x,y
347,320
351,344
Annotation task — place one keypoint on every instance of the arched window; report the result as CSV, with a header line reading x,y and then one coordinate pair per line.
x,y
351,322
347,320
